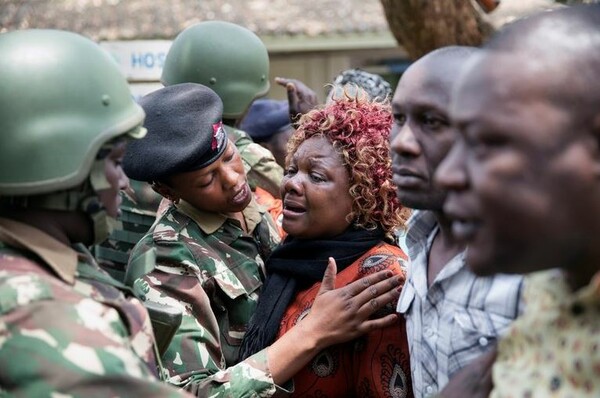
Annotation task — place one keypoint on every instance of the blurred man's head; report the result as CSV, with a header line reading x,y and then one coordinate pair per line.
x,y
528,113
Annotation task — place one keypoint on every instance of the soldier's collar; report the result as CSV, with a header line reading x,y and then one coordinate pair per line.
x,y
210,222
61,258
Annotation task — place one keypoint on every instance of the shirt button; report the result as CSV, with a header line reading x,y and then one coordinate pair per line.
x,y
429,390
429,332
483,341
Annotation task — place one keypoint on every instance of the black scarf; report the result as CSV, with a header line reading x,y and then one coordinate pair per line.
x,y
295,265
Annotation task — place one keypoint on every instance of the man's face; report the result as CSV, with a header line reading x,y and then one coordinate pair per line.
x,y
521,175
421,135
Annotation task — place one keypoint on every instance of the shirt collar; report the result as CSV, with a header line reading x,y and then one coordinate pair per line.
x,y
422,227
210,222
61,258
548,289
419,228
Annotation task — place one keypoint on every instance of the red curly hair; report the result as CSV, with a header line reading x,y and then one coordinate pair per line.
x,y
358,128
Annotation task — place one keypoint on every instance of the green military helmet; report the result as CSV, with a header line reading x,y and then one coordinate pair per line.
x,y
61,98
228,58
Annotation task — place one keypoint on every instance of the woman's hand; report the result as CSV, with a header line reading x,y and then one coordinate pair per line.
x,y
342,314
337,315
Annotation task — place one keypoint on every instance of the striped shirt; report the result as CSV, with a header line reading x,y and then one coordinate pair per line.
x,y
457,318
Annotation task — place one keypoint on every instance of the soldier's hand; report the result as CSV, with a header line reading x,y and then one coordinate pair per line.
x,y
342,314
472,381
301,98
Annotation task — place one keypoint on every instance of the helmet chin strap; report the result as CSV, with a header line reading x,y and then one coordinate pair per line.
x,y
103,224
83,198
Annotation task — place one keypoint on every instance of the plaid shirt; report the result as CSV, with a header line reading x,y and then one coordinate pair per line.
x,y
457,318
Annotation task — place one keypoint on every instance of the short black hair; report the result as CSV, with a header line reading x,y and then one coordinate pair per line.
x,y
565,41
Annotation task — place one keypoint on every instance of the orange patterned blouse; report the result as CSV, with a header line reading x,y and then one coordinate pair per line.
x,y
375,365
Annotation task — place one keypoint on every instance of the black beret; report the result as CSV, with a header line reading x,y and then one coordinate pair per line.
x,y
265,118
185,133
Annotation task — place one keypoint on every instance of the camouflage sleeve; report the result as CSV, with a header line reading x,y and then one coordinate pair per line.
x,y
249,378
196,358
138,212
260,165
54,342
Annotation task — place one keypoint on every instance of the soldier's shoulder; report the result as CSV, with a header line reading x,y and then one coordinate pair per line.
x,y
237,135
249,150
12,257
256,152
170,226
15,262
173,235
19,289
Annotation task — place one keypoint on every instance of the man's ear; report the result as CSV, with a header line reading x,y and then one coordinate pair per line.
x,y
165,191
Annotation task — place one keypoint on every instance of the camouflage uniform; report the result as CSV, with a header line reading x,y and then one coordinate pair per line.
x,y
65,327
138,213
210,269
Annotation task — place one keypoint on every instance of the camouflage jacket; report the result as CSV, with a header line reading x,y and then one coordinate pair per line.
x,y
65,329
138,213
260,165
211,270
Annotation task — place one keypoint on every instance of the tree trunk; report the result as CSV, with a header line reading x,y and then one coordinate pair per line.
x,y
421,26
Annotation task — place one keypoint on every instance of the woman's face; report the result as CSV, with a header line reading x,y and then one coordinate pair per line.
x,y
220,187
315,191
